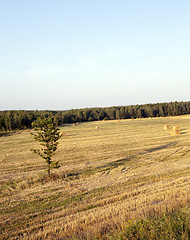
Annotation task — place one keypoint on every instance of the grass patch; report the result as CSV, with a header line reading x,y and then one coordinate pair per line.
x,y
175,225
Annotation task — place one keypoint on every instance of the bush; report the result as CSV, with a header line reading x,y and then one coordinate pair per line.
x,y
171,226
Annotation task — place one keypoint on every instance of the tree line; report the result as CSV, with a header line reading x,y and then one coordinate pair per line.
x,y
22,119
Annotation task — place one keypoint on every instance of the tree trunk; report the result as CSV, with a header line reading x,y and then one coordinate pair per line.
x,y
49,174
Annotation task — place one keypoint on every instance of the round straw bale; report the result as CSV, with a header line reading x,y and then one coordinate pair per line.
x,y
74,124
166,127
97,127
175,132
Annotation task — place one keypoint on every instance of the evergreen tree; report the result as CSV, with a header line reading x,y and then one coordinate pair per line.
x,y
117,114
47,134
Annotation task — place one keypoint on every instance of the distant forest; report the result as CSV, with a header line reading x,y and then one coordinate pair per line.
x,y
22,119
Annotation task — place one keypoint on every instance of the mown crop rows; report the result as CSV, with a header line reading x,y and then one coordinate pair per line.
x,y
121,171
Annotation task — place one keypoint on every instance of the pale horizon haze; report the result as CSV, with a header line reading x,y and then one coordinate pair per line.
x,y
59,55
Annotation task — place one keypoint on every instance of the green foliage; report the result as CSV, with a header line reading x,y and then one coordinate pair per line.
x,y
47,134
175,225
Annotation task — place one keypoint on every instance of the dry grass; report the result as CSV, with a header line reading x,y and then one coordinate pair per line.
x,y
123,172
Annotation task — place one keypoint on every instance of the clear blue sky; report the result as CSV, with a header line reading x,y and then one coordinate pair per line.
x,y
63,54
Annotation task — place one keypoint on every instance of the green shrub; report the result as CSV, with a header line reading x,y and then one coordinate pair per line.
x,y
170,226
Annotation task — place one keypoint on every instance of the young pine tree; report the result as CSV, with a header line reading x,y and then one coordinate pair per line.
x,y
47,134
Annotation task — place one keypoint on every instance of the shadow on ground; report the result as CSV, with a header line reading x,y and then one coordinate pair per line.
x,y
122,161
183,131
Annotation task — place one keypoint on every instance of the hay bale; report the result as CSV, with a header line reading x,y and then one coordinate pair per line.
x,y
166,127
176,128
175,132
97,127
74,124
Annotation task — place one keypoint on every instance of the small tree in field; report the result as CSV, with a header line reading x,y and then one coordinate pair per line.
x,y
48,135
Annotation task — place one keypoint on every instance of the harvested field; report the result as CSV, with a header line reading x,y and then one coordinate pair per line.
x,y
124,171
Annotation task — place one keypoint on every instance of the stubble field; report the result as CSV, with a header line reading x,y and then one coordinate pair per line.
x,y
122,171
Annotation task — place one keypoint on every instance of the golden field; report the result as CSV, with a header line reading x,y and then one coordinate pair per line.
x,y
111,172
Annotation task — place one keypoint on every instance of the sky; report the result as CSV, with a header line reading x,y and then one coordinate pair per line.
x,y
67,54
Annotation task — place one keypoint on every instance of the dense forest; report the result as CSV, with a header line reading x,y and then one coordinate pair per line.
x,y
22,119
